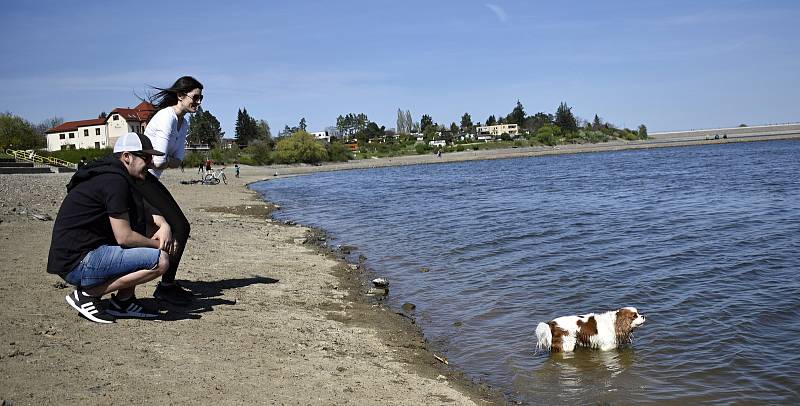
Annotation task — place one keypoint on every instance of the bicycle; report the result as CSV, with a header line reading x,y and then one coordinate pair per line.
x,y
214,177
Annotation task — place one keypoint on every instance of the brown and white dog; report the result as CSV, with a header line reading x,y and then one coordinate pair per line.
x,y
604,331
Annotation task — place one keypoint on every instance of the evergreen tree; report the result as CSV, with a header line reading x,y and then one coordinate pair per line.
x,y
466,123
425,122
643,132
246,128
564,118
491,120
517,115
204,128
597,123
302,125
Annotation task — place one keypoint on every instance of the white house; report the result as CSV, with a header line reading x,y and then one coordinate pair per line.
x,y
126,120
322,136
99,132
497,130
78,134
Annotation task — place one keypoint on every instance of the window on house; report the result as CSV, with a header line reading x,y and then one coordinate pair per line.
x,y
116,117
97,145
96,131
61,136
85,132
71,135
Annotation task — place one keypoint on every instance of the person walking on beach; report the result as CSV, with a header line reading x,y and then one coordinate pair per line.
x,y
167,131
99,243
236,168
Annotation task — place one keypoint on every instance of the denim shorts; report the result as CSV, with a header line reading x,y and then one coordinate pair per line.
x,y
110,262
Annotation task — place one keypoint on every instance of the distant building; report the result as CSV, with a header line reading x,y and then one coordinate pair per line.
x,y
123,120
437,143
497,130
322,136
78,134
99,132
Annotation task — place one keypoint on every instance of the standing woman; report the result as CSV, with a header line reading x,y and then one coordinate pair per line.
x,y
167,130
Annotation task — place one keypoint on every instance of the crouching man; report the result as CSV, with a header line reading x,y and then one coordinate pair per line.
x,y
99,241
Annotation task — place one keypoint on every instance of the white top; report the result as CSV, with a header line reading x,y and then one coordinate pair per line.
x,y
165,136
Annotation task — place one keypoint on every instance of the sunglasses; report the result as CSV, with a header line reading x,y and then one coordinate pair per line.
x,y
197,98
145,157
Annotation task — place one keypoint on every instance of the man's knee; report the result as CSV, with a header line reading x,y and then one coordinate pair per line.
x,y
163,263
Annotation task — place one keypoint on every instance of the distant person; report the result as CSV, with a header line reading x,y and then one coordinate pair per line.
x,y
167,130
200,167
236,169
99,241
208,165
183,166
82,162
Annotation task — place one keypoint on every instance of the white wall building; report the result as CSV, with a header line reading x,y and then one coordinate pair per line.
x,y
498,130
99,132
78,134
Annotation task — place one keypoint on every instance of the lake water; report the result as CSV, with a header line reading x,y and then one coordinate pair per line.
x,y
703,240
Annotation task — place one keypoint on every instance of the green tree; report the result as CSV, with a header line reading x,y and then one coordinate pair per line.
x,y
17,133
597,123
425,122
535,122
548,134
246,128
299,147
565,119
517,115
643,131
491,120
466,123
204,128
302,125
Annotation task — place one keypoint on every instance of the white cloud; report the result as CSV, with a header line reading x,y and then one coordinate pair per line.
x,y
499,12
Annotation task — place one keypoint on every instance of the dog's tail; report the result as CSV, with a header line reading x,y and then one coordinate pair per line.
x,y
544,338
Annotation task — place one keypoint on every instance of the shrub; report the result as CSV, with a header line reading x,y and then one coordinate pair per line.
x,y
421,148
75,155
338,152
459,147
257,153
299,147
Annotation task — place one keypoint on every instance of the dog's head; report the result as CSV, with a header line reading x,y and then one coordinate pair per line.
x,y
628,318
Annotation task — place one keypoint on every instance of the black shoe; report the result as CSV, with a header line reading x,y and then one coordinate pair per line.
x,y
130,308
174,294
89,307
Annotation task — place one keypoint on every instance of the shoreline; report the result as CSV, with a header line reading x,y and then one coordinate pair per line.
x,y
279,320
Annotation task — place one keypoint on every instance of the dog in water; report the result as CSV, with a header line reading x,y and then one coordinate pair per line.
x,y
604,331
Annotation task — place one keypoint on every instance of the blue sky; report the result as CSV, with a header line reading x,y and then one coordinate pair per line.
x,y
672,65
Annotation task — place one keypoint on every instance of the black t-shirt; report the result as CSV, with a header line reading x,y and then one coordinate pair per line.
x,y
82,223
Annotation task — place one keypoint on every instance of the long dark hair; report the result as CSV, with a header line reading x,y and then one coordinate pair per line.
x,y
169,97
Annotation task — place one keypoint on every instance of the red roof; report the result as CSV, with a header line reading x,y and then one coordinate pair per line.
x,y
142,112
73,125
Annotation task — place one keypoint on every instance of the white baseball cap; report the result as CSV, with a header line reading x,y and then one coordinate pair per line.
x,y
133,142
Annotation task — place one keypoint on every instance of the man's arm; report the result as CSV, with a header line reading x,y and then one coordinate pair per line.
x,y
126,237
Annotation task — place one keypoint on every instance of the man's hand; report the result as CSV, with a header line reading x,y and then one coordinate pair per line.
x,y
164,235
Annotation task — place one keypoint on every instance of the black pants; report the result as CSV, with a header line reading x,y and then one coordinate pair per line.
x,y
159,197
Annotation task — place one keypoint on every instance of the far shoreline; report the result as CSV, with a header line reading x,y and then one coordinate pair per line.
x,y
252,174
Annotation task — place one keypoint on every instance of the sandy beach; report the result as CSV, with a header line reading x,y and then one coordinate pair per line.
x,y
278,319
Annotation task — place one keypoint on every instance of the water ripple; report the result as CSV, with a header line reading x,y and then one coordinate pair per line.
x,y
704,241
